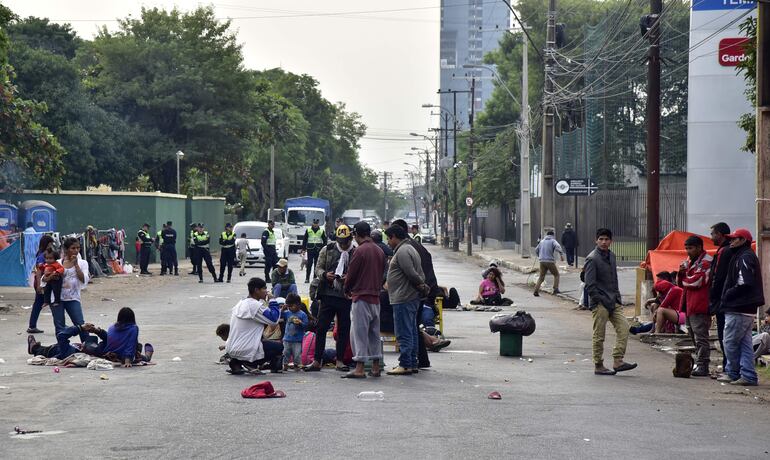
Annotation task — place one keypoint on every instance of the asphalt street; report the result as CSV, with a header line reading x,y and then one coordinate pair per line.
x,y
552,405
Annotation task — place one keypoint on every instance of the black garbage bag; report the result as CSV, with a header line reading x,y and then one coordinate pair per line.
x,y
521,323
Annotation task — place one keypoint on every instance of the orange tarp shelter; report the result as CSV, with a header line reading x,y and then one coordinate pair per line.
x,y
670,252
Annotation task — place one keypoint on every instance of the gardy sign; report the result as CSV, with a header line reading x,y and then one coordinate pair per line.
x,y
732,51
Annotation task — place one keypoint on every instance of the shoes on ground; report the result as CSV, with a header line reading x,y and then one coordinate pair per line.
x,y
743,382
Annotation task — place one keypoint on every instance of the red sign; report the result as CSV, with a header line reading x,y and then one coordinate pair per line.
x,y
732,51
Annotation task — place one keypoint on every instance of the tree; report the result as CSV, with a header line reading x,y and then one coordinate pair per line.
x,y
748,121
29,153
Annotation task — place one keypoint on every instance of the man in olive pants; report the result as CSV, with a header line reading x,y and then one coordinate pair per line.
x,y
546,252
601,274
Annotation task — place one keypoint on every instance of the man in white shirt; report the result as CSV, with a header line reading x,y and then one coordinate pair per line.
x,y
242,250
247,323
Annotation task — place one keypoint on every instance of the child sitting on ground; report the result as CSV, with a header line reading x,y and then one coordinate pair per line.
x,y
223,332
296,321
52,277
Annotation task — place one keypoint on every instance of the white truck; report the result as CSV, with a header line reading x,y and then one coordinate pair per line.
x,y
300,214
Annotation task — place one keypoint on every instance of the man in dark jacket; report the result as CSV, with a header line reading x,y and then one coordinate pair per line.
x,y
363,284
570,242
719,232
601,279
331,272
741,296
168,248
268,249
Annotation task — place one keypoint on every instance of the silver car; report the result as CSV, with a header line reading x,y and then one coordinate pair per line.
x,y
253,231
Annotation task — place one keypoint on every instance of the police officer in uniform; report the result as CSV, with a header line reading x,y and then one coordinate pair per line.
x,y
168,249
193,250
268,249
144,252
313,241
202,240
227,254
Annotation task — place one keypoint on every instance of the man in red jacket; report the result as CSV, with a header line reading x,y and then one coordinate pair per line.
x,y
694,278
363,283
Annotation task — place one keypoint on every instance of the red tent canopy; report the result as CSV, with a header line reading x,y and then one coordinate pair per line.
x,y
670,252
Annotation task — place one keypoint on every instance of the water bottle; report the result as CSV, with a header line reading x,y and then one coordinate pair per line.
x,y
371,396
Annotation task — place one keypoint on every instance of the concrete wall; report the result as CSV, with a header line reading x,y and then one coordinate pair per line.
x,y
210,211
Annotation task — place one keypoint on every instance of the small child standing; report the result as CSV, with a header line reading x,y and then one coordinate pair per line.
x,y
223,332
53,273
296,321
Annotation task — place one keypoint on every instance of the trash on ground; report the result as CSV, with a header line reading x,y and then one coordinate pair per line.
x,y
204,296
107,299
100,364
495,395
103,377
586,440
176,358
25,307
56,369
2,361
371,396
529,360
20,431
5,388
262,390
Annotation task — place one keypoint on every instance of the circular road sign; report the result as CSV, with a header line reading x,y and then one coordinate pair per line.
x,y
562,187
469,201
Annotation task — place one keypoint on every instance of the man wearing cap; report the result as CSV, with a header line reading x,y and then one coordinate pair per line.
x,y
268,248
720,267
331,272
741,296
313,241
282,279
570,242
227,252
363,285
144,252
168,248
202,240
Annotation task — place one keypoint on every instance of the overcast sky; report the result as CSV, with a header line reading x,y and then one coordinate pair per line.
x,y
382,64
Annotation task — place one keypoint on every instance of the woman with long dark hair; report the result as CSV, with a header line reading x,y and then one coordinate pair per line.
x,y
46,243
75,278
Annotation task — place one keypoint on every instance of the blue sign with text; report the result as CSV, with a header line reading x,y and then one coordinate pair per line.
x,y
710,5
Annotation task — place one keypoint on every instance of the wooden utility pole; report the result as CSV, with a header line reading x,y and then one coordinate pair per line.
x,y
526,231
547,191
653,127
763,142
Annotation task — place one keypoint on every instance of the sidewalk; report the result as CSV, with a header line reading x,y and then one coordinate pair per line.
x,y
569,282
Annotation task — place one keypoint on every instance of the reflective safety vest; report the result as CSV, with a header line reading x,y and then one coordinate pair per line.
x,y
227,240
144,237
202,240
270,237
192,238
315,237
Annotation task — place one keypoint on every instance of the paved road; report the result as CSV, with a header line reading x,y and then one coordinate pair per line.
x,y
552,407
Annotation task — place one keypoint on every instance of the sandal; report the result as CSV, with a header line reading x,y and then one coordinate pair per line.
x,y
30,343
311,369
352,375
34,330
343,369
372,374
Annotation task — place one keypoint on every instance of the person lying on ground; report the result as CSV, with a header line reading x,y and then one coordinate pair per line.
x,y
246,345
119,343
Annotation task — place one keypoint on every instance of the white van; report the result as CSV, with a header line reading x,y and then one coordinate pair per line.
x,y
253,230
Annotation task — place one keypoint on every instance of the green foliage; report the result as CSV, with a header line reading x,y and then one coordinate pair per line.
x,y
748,121
27,149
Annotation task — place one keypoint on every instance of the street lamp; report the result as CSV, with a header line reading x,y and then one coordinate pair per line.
x,y
179,155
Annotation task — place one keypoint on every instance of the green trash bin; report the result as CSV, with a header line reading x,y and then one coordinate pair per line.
x,y
510,344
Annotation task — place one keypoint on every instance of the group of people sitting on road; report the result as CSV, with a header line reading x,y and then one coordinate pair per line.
x,y
360,284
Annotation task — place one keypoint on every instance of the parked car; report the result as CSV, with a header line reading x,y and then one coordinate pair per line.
x,y
253,231
427,236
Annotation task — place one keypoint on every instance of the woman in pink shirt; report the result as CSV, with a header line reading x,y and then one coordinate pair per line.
x,y
491,289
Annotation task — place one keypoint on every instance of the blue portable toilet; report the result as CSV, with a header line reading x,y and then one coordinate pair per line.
x,y
8,216
40,213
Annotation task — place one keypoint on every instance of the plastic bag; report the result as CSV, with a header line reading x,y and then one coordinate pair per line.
x,y
100,364
521,323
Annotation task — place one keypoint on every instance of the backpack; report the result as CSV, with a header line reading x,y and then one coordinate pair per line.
x,y
308,348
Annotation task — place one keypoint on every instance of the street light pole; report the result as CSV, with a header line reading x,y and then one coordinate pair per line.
x,y
469,233
179,155
526,231
272,181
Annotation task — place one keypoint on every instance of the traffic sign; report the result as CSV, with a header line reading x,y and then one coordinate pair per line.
x,y
469,201
576,187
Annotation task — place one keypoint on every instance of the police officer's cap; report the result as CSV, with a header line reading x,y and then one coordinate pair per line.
x,y
228,224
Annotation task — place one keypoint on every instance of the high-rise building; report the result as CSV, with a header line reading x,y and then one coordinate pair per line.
x,y
469,29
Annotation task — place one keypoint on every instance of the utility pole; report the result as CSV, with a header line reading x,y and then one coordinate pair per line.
x,y
385,194
763,140
445,178
272,181
547,191
469,202
427,188
526,231
455,208
653,127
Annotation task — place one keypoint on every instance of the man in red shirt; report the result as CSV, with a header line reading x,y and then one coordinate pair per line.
x,y
694,278
363,283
